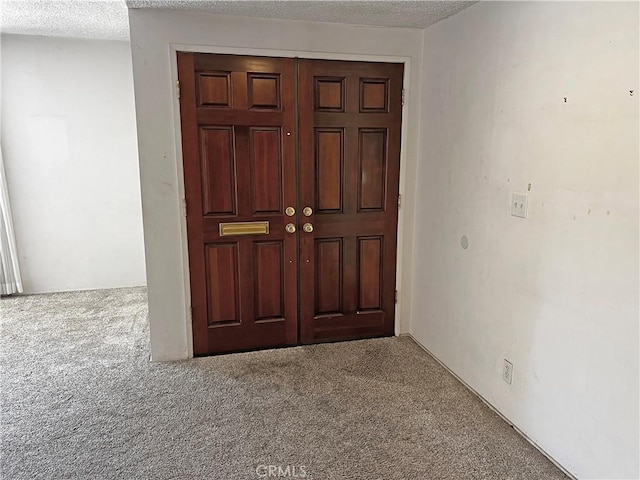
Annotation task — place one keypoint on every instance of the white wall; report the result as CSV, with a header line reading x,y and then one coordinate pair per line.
x,y
557,293
153,36
69,142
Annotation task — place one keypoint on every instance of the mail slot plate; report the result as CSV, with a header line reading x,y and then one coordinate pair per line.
x,y
244,228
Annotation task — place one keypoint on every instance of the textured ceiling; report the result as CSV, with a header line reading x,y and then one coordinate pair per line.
x,y
415,14
108,19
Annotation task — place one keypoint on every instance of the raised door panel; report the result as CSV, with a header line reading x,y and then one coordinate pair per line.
x,y
218,171
370,273
329,94
329,276
266,168
372,146
268,278
263,91
213,89
374,95
221,262
329,169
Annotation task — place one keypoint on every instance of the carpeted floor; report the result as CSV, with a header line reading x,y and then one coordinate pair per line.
x,y
80,400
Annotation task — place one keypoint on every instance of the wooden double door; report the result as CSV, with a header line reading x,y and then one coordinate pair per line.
x,y
291,170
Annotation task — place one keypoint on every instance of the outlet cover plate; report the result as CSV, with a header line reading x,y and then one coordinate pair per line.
x,y
507,371
519,203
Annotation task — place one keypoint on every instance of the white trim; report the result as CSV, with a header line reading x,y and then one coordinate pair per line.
x,y
265,52
486,402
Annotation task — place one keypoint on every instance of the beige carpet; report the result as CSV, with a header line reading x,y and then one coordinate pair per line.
x,y
80,400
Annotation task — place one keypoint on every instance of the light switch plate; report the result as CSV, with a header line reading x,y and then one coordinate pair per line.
x,y
519,203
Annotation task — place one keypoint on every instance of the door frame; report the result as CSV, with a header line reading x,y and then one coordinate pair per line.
x,y
177,128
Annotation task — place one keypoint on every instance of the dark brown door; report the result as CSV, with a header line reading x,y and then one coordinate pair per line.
x,y
256,254
238,141
350,124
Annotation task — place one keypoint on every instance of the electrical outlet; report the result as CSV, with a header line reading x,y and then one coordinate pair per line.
x,y
507,371
519,203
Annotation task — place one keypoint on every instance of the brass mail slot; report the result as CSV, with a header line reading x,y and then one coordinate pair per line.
x,y
244,228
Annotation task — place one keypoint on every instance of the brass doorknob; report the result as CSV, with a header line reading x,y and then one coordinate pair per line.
x,y
307,211
290,211
290,228
307,227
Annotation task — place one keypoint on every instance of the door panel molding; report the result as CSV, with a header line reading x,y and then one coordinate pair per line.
x,y
329,169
